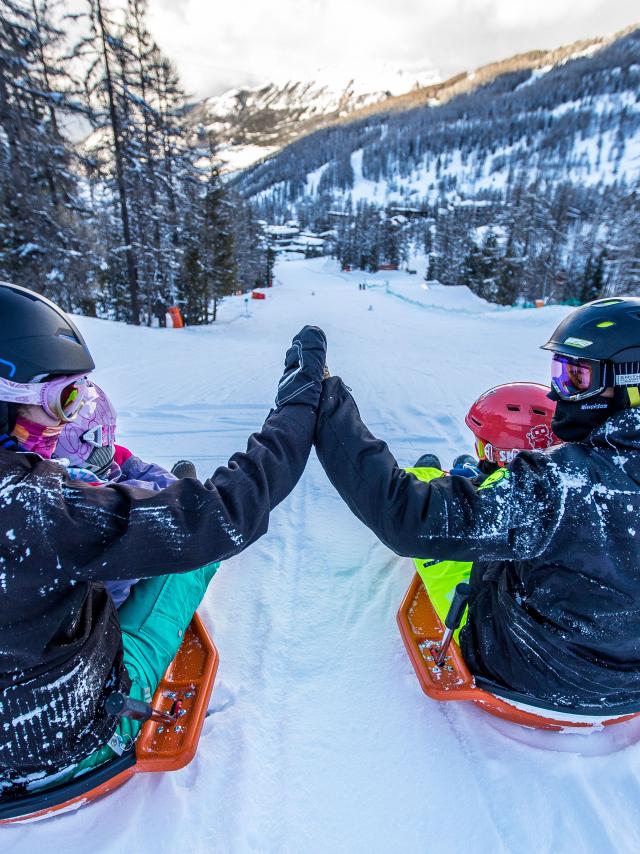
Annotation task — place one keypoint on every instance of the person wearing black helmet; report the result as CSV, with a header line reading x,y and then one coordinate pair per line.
x,y
61,640
554,537
595,366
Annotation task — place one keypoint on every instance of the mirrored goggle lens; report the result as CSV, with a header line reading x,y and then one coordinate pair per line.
x,y
71,399
573,378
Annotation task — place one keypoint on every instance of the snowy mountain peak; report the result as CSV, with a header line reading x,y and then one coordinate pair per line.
x,y
253,122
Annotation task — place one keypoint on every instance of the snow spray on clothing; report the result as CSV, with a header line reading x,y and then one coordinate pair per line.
x,y
153,621
131,471
554,610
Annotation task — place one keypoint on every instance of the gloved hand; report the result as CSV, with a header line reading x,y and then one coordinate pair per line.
x,y
465,466
303,368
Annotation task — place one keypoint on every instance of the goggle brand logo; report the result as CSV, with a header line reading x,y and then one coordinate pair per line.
x,y
498,455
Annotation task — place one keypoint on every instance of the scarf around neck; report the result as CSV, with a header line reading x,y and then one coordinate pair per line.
x,y
37,438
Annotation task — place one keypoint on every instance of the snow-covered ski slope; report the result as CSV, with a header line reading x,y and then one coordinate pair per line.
x,y
321,739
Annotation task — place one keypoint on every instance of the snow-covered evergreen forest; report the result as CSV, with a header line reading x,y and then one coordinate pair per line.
x,y
134,218
523,188
526,187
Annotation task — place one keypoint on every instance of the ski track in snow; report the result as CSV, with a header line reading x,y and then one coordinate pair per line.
x,y
319,738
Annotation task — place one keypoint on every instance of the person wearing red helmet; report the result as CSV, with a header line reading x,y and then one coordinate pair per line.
x,y
554,601
505,420
511,418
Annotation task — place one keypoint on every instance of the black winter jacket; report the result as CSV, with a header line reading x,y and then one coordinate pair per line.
x,y
554,612
60,640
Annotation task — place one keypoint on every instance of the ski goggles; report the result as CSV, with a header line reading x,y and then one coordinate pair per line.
x,y
61,398
499,456
575,378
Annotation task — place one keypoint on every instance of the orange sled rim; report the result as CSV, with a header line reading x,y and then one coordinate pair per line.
x,y
422,630
190,678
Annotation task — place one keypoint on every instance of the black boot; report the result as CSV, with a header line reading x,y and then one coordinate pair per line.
x,y
428,461
184,468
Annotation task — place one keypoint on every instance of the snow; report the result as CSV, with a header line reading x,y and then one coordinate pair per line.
x,y
593,159
282,230
331,91
536,74
234,158
484,232
321,739
313,178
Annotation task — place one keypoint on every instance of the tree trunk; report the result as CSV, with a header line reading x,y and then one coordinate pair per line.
x,y
132,272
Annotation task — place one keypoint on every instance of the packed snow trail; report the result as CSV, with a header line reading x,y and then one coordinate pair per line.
x,y
320,739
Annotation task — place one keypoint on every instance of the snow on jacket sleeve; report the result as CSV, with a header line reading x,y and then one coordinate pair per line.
x,y
512,515
119,531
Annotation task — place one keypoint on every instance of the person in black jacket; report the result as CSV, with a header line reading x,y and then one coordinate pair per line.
x,y
554,611
61,650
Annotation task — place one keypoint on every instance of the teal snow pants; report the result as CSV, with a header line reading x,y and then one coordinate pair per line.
x,y
153,621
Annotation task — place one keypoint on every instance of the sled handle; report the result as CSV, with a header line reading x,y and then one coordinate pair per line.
x,y
119,704
458,605
453,620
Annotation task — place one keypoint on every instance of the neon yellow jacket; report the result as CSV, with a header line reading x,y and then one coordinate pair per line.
x,y
440,576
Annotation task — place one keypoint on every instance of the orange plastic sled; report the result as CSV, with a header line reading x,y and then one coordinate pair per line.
x,y
159,747
422,630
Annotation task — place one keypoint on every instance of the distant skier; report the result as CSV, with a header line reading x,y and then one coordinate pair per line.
x,y
554,612
63,647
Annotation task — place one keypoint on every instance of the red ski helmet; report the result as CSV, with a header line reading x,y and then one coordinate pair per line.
x,y
511,418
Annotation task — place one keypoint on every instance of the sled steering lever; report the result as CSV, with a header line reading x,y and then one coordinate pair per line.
x,y
452,621
119,704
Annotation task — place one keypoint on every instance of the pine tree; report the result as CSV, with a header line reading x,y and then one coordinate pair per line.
x,y
40,241
220,266
110,56
593,278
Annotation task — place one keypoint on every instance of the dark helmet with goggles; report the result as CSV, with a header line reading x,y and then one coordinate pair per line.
x,y
595,347
43,357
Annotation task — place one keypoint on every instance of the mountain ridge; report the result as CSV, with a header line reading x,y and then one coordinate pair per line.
x,y
524,186
253,124
244,121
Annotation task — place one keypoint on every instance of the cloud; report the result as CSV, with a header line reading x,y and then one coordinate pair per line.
x,y
246,42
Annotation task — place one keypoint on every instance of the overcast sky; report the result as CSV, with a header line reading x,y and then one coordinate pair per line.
x,y
221,44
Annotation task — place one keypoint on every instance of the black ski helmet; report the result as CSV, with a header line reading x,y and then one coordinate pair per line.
x,y
606,331
37,338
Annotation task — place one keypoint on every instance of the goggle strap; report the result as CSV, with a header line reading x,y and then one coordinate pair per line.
x,y
626,374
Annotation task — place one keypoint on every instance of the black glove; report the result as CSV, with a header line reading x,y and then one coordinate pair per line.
x,y
303,368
